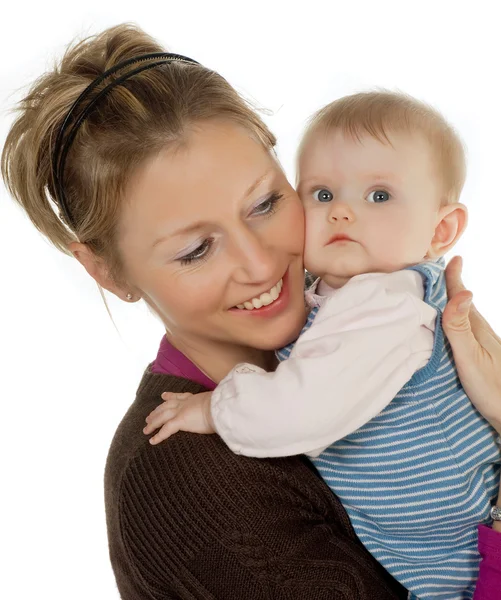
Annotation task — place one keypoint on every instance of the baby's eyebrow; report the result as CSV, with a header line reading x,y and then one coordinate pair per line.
x,y
384,177
303,182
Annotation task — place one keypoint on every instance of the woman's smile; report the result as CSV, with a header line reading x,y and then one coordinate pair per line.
x,y
268,304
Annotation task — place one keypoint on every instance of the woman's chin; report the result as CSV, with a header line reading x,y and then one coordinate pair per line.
x,y
281,338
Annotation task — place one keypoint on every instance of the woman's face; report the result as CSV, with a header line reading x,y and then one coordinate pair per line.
x,y
208,227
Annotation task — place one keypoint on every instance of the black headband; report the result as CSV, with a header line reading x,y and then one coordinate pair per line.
x,y
61,149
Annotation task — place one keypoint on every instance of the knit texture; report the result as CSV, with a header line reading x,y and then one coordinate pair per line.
x,y
418,478
189,520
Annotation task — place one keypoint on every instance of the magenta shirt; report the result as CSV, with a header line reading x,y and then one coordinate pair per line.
x,y
170,361
489,577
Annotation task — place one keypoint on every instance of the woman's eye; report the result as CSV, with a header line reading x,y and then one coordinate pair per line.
x,y
378,196
269,205
323,195
197,254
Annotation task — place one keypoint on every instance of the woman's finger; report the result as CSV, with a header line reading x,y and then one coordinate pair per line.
x,y
457,327
455,289
457,312
453,279
481,327
165,432
461,315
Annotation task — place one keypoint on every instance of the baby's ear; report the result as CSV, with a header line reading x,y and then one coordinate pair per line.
x,y
451,222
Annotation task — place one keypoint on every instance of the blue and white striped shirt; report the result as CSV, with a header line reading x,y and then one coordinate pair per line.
x,y
418,478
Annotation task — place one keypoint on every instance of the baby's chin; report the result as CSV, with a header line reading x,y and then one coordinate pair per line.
x,y
340,270
337,280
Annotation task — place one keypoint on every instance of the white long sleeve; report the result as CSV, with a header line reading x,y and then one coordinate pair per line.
x,y
366,342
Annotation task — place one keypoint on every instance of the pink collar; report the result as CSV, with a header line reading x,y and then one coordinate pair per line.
x,y
170,361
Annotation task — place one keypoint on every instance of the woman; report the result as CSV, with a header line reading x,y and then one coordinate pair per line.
x,y
167,189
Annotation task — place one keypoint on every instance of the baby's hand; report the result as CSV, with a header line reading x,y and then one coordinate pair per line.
x,y
180,412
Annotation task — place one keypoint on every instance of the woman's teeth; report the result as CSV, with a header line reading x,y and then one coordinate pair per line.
x,y
264,299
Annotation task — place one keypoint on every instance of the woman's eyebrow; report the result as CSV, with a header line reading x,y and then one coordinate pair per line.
x,y
184,230
258,182
199,225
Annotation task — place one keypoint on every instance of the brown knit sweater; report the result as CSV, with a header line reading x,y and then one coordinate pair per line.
x,y
187,519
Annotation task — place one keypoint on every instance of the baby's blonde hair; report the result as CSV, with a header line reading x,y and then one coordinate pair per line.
x,y
380,113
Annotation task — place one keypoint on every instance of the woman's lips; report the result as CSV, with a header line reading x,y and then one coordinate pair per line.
x,y
272,309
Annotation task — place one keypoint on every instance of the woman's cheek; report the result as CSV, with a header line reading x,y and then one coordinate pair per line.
x,y
187,295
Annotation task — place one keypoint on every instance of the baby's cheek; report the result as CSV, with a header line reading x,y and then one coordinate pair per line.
x,y
312,259
295,226
307,251
314,226
312,239
386,246
409,245
310,264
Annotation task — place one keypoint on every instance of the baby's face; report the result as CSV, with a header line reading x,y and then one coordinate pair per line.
x,y
384,199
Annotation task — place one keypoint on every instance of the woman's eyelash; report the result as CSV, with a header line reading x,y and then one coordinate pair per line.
x,y
202,251
197,254
272,201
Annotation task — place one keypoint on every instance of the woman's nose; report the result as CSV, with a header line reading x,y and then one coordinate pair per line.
x,y
255,260
341,212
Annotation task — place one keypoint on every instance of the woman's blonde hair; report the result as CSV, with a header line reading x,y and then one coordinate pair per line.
x,y
380,113
144,114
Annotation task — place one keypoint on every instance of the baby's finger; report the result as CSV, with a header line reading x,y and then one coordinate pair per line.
x,y
161,408
160,411
155,421
165,432
166,396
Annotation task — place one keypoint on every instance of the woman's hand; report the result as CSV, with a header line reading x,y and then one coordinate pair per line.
x,y
476,348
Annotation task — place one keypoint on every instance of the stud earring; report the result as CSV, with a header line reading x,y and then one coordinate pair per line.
x,y
129,297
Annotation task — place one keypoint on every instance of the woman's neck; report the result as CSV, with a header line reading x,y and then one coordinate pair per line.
x,y
217,359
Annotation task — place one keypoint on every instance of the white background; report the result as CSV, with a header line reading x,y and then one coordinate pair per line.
x,y
66,374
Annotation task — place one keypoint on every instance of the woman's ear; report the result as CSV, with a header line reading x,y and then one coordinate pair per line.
x,y
451,222
97,269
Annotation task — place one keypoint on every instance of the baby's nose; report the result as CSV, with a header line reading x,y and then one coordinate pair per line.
x,y
341,211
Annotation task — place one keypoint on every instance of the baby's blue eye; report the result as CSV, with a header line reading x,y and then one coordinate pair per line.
x,y
323,195
378,196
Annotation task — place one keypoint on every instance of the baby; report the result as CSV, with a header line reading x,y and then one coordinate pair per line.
x,y
369,390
